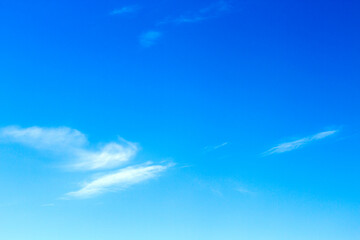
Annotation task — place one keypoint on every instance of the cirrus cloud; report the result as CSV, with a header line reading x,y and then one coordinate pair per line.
x,y
118,180
289,146
125,10
74,145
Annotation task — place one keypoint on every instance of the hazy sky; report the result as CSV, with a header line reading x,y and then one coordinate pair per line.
x,y
173,120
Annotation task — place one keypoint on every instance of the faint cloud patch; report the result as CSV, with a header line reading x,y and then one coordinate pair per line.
x,y
213,10
149,38
223,187
125,10
243,190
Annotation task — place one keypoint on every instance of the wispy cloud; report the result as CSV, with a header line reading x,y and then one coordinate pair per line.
x,y
125,10
211,11
110,156
73,145
243,190
118,180
221,187
221,145
149,38
56,139
289,146
212,148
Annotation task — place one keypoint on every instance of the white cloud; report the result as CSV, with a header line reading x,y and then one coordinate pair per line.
x,y
289,146
125,10
322,135
149,38
109,156
72,144
118,180
44,138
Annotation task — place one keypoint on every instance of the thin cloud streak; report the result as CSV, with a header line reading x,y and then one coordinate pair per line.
x,y
289,146
72,144
221,145
119,180
212,11
125,10
212,148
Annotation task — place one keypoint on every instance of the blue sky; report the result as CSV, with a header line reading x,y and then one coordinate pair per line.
x,y
179,120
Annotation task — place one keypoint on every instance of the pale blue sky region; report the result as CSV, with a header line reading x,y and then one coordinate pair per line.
x,y
179,120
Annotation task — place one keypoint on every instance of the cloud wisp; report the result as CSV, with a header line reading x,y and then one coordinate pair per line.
x,y
109,156
56,139
149,38
118,180
213,10
212,148
125,10
73,145
289,146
